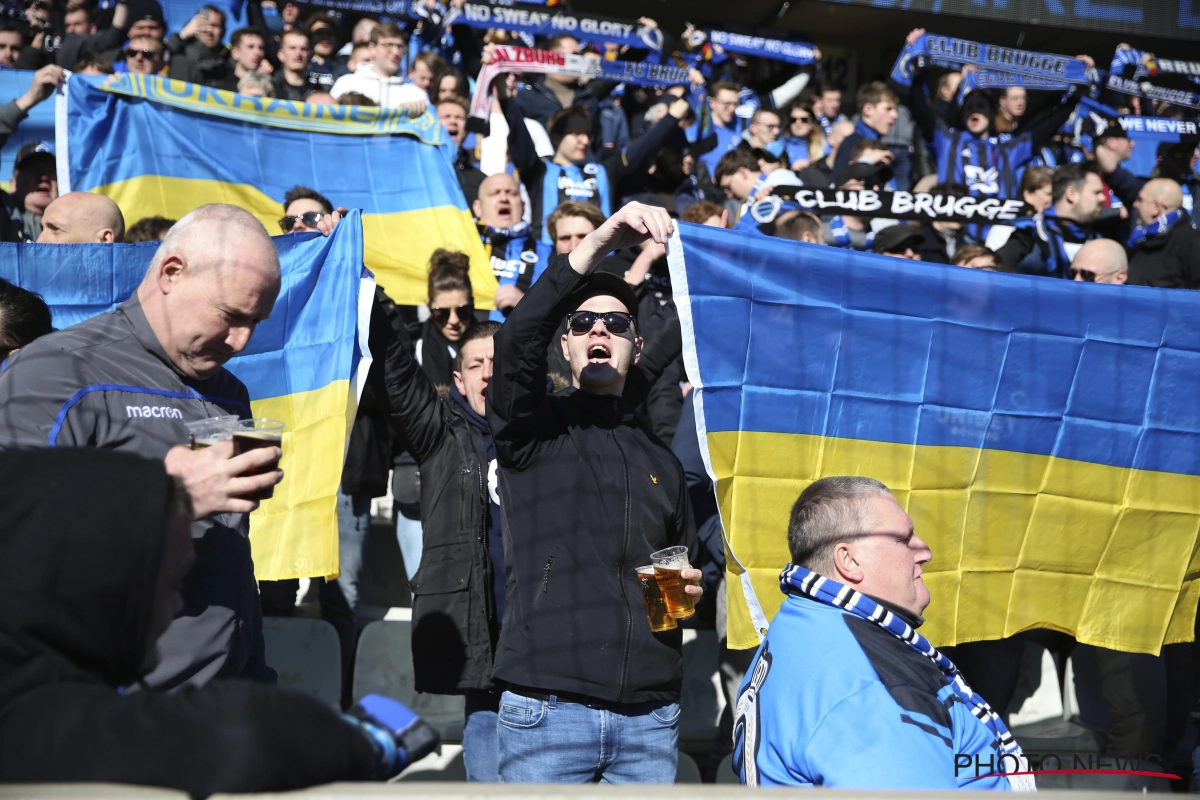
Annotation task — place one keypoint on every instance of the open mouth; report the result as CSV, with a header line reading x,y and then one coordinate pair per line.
x,y
598,353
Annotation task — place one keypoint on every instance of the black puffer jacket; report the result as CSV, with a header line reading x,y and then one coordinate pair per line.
x,y
454,625
586,496
1170,260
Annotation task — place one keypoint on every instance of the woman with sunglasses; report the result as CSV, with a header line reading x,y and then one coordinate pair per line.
x,y
803,138
451,315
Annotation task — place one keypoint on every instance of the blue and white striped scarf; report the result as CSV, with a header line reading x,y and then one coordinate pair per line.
x,y
795,579
1161,225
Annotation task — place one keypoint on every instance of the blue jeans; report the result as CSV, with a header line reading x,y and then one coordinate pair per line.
x,y
551,741
481,755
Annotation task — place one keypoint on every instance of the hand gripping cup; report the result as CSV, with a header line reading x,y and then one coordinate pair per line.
x,y
656,606
207,432
251,434
668,564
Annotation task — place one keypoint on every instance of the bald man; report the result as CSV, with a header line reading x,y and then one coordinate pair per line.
x,y
129,380
82,218
1164,247
513,252
1100,261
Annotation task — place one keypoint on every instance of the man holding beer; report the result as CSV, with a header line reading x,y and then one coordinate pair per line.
x,y
132,378
593,508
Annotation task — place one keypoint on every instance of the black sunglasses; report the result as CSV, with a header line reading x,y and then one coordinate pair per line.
x,y
133,52
1089,277
309,218
615,321
805,118
441,316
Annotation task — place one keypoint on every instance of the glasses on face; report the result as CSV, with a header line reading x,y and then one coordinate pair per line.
x,y
803,119
441,316
583,321
390,46
310,219
133,52
1082,275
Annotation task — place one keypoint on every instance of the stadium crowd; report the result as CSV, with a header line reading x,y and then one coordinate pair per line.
x,y
511,437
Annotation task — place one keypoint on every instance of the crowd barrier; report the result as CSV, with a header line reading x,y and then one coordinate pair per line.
x,y
443,791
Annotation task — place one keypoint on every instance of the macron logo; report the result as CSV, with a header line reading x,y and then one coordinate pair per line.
x,y
161,412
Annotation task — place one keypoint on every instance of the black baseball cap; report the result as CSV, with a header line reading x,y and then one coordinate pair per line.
x,y
896,239
31,149
871,175
605,283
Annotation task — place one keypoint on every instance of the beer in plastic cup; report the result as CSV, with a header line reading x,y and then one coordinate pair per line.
x,y
656,606
251,434
668,564
207,432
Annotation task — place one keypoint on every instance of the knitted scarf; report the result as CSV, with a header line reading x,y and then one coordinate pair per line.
x,y
1161,225
795,579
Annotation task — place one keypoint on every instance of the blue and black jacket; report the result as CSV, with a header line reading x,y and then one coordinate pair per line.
x,y
514,257
991,165
599,183
834,700
1043,245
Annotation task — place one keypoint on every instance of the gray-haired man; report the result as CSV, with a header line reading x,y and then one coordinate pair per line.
x,y
130,379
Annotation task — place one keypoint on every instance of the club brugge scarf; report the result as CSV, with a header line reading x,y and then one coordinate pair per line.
x,y
795,579
800,53
1145,67
1161,225
1024,65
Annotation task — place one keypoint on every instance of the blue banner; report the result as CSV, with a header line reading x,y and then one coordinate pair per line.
x,y
533,20
1146,66
37,127
1147,133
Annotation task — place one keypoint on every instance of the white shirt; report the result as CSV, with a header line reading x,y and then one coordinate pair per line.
x,y
386,92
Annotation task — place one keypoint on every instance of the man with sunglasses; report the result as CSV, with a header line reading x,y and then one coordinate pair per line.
x,y
307,210
1100,261
144,56
587,496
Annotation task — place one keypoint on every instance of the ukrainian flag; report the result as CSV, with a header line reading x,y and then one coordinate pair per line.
x,y
1043,434
162,148
303,366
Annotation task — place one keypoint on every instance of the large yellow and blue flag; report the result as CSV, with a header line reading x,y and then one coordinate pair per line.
x,y
304,366
159,147
1044,435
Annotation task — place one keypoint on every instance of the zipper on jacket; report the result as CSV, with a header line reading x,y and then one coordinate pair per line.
x,y
621,574
537,597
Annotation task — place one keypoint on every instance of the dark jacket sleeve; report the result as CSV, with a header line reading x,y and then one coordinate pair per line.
x,y
517,394
415,411
1019,245
229,736
33,58
521,150
686,445
918,105
639,154
1125,185
75,46
1040,131
11,115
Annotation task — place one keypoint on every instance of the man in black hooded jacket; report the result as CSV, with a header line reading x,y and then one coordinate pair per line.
x,y
586,496
86,588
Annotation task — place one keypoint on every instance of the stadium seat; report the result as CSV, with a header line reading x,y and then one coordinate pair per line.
x,y
688,771
725,773
307,656
384,666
